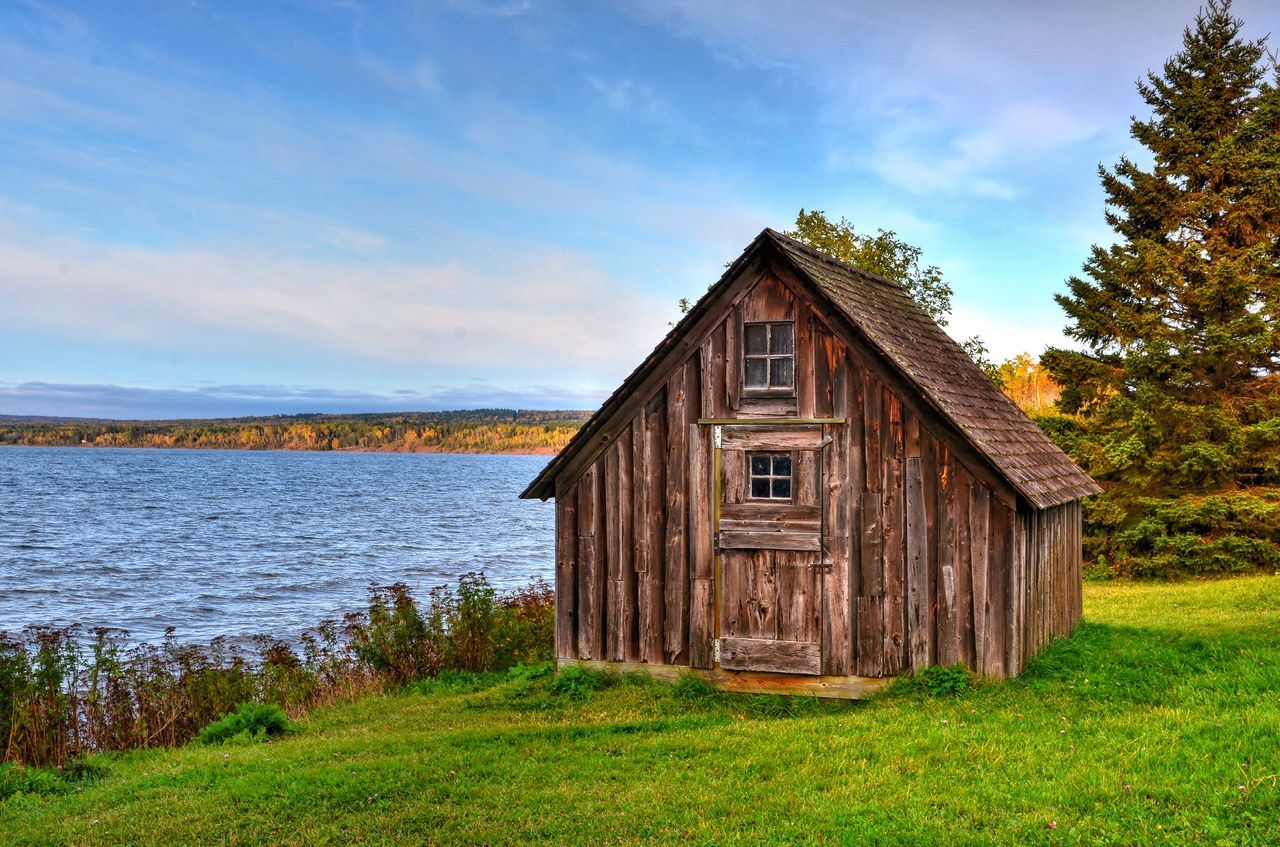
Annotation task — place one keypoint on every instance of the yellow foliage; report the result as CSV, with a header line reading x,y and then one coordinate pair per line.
x,y
1029,385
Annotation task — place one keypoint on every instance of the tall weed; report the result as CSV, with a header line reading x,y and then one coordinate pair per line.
x,y
66,692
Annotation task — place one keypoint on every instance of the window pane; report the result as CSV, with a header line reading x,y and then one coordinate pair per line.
x,y
782,339
755,338
760,487
782,466
757,373
781,372
759,465
781,488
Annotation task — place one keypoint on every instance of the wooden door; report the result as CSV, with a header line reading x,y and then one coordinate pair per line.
x,y
769,540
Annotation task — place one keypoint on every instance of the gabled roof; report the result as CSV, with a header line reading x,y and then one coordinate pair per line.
x,y
925,356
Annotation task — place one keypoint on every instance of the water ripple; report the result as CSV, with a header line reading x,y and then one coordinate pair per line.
x,y
235,542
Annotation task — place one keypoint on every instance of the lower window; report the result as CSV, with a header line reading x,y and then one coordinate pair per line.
x,y
769,476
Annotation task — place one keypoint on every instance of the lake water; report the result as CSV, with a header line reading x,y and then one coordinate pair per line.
x,y
240,542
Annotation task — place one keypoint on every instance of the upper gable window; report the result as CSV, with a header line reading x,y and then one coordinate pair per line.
x,y
769,355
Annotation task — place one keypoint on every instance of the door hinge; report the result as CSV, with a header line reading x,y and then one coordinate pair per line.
x,y
717,438
715,540
715,650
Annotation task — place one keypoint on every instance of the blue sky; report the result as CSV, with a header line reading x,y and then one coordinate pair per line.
x,y
235,208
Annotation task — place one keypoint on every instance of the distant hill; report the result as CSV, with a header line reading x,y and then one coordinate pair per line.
x,y
460,431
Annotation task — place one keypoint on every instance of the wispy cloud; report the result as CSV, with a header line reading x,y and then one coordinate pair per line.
x,y
494,8
354,240
518,312
916,156
626,95
126,402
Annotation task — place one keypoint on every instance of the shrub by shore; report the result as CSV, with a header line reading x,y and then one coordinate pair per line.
x,y
65,693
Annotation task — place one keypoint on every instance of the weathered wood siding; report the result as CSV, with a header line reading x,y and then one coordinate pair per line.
x,y
1046,579
927,560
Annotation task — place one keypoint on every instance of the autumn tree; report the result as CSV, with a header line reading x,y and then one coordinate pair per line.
x,y
1179,319
1028,384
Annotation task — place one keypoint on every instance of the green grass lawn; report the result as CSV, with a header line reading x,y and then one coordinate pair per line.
x,y
1158,722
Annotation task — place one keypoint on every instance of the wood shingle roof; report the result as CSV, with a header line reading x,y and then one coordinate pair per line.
x,y
914,345
928,357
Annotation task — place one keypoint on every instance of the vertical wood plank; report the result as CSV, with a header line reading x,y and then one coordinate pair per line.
x,y
627,544
566,574
948,542
733,587
826,361
676,559
979,526
807,478
1044,570
917,541
1073,548
614,631
1013,656
837,608
993,660
964,568
872,543
930,472
856,457
639,534
759,601
873,424
715,397
732,360
797,600
1034,605
649,590
894,553
836,510
870,636
912,439
805,367
590,570
706,378
701,564
837,599
701,622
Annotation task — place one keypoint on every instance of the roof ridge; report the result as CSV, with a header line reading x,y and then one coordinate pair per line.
x,y
827,258
929,361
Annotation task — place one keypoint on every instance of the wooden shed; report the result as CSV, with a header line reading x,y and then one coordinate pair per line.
x,y
809,486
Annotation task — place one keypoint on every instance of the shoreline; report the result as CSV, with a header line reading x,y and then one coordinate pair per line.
x,y
533,451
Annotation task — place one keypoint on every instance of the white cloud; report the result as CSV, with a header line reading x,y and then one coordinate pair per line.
x,y
493,8
1004,336
137,402
938,98
354,240
540,312
626,95
915,155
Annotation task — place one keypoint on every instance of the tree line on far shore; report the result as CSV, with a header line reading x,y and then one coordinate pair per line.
x,y
479,431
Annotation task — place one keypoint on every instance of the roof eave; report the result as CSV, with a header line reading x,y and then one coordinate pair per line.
x,y
543,485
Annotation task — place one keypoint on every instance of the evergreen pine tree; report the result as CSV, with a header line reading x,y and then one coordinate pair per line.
x,y
1178,384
